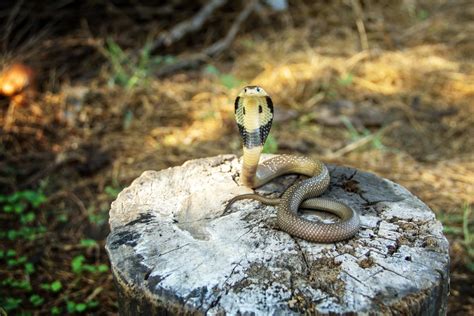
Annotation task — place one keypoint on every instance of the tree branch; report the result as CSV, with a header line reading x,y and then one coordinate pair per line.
x,y
188,26
212,50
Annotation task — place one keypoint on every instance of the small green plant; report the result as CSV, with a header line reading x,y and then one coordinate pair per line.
x,y
328,90
271,145
19,284
10,303
468,236
55,310
54,287
79,266
88,243
346,80
461,225
465,224
451,223
36,300
19,201
376,141
74,307
29,268
212,70
20,211
22,205
96,216
227,80
112,191
131,70
422,14
127,119
62,218
248,43
24,232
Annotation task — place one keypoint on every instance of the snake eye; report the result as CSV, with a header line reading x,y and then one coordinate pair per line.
x,y
258,89
245,89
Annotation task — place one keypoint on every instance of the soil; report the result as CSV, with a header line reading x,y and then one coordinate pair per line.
x,y
388,88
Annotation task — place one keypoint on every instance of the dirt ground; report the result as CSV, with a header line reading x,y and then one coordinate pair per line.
x,y
382,86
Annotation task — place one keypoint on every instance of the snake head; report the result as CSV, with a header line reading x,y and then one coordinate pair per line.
x,y
254,115
253,91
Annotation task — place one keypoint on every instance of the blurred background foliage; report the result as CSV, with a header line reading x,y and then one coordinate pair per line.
x,y
92,93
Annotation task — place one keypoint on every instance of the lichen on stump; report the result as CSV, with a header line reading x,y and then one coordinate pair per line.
x,y
172,250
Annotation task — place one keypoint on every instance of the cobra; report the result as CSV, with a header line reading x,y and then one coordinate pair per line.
x,y
254,116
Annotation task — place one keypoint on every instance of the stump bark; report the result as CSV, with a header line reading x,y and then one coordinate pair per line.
x,y
173,252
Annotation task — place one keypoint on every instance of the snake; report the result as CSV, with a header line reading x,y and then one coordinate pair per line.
x,y
254,116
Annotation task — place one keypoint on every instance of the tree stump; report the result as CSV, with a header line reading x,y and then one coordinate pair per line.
x,y
173,252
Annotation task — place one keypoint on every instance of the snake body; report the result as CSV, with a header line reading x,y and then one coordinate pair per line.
x,y
254,116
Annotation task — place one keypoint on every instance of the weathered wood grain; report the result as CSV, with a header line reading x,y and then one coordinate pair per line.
x,y
172,251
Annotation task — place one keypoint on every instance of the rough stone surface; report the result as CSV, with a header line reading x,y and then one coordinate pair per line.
x,y
172,251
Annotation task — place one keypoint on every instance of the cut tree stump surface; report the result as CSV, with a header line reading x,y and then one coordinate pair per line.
x,y
172,250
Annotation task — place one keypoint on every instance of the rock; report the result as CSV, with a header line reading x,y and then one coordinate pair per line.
x,y
172,251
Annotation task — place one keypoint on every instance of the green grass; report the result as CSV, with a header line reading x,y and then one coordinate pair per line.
x,y
467,211
422,14
227,80
346,80
452,223
468,236
131,70
355,135
271,145
461,225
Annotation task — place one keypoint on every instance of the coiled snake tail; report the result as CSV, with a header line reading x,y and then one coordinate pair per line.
x,y
254,116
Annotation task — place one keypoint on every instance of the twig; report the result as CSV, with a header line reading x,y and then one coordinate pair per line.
x,y
78,202
94,293
16,45
59,162
364,42
73,197
212,50
362,141
224,43
10,23
191,25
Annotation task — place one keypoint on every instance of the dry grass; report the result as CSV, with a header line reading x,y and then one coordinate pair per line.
x,y
417,79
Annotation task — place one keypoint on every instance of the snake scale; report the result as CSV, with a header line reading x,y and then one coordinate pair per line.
x,y
254,116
